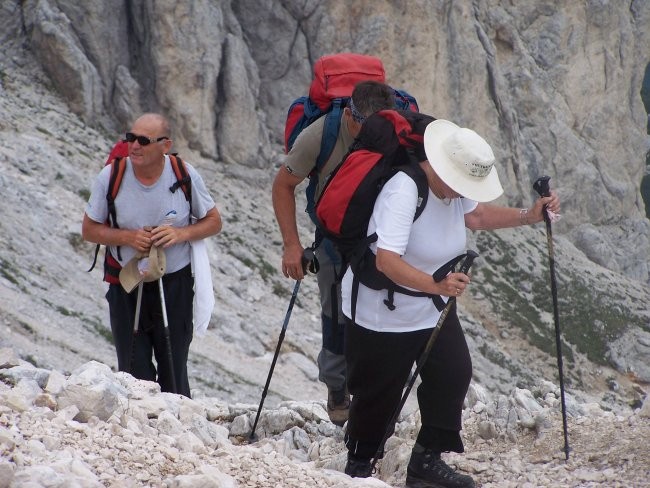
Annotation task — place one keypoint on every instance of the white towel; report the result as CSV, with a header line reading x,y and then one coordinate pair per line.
x,y
203,291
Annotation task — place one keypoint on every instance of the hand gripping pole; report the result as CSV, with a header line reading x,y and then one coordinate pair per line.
x,y
464,268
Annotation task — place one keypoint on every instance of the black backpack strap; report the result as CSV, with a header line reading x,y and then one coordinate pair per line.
x,y
355,294
318,237
447,268
92,266
390,300
118,167
418,175
338,277
183,179
366,272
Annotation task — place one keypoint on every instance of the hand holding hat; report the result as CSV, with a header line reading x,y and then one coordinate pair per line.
x,y
143,268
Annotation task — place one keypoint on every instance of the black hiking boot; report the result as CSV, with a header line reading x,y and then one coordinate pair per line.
x,y
338,406
427,470
358,468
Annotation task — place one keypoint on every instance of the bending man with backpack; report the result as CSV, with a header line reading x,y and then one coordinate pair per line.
x,y
367,98
383,343
148,216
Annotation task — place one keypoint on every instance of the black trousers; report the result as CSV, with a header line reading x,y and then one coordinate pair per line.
x,y
135,352
379,365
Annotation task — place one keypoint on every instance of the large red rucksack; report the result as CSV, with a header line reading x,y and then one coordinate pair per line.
x,y
117,160
334,79
390,141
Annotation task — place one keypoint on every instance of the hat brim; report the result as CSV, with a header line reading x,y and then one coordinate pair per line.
x,y
483,189
157,264
130,275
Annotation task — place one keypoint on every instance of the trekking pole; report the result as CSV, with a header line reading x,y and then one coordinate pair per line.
x,y
170,362
136,323
464,268
541,186
308,261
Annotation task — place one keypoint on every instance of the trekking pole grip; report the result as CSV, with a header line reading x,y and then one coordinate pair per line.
x,y
467,263
309,261
541,186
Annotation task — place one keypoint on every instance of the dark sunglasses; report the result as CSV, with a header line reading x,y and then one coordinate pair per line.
x,y
142,140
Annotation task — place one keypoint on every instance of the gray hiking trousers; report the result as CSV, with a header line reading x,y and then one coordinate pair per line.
x,y
331,361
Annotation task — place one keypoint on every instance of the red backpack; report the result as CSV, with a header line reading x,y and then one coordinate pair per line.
x,y
117,160
389,141
335,76
120,150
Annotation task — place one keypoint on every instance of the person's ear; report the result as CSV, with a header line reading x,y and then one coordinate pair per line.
x,y
353,126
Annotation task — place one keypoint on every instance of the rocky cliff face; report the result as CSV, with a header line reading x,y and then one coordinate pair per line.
x,y
553,88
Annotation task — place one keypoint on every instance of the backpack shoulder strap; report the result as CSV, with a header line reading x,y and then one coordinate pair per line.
x,y
330,131
183,179
331,127
118,167
420,178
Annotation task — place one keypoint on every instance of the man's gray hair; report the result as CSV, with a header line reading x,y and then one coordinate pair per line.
x,y
371,96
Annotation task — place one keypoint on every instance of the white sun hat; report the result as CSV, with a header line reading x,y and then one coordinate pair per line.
x,y
463,160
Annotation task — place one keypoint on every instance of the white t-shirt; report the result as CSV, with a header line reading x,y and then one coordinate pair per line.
x,y
437,236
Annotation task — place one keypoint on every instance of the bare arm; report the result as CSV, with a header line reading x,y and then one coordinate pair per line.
x,y
488,217
141,239
102,233
284,205
392,265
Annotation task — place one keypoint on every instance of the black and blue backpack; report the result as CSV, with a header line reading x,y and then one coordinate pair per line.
x,y
334,79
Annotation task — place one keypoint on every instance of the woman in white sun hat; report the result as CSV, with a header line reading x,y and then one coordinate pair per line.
x,y
385,344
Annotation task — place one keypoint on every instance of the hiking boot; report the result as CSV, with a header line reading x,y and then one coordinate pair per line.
x,y
358,468
338,406
427,470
